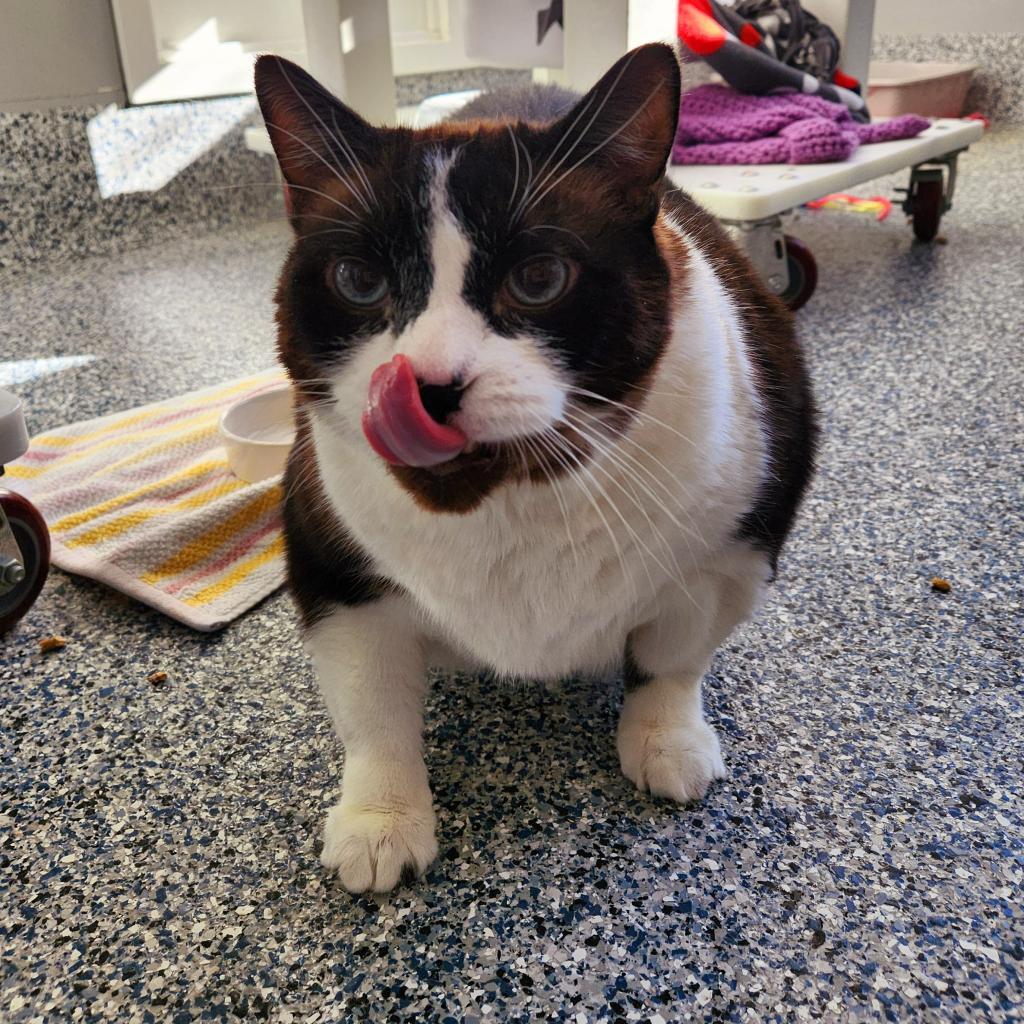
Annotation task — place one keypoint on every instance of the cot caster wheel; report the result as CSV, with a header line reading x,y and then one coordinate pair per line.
x,y
24,539
803,273
927,203
23,576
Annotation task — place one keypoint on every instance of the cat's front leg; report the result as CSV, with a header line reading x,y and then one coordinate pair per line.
x,y
665,745
370,664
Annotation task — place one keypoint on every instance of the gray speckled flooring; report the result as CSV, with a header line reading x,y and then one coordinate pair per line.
x,y
864,861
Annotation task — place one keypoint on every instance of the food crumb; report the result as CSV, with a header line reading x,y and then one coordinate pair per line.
x,y
51,643
157,677
943,586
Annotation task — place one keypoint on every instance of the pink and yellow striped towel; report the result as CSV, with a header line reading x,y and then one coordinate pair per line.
x,y
144,501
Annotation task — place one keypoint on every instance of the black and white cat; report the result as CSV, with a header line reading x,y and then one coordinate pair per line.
x,y
550,423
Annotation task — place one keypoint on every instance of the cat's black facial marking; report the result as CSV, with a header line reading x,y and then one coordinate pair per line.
x,y
405,237
564,190
328,326
611,324
318,330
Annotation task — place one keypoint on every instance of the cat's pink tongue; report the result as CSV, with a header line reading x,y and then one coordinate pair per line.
x,y
397,425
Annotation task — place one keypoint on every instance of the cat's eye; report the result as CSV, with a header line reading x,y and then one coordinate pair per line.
x,y
359,283
539,281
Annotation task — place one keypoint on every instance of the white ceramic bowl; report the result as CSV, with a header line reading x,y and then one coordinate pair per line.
x,y
13,434
257,433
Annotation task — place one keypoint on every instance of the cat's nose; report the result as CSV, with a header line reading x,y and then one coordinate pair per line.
x,y
441,400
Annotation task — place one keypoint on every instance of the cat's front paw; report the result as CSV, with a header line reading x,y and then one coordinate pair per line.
x,y
377,848
677,762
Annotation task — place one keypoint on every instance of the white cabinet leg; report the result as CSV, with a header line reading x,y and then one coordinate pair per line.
x,y
348,45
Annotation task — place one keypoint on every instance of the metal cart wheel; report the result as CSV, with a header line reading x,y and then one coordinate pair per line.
x,y
803,273
22,579
927,203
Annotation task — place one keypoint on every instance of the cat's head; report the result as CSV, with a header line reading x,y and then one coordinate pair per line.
x,y
461,297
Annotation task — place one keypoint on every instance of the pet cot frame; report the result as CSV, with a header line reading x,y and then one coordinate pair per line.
x,y
751,200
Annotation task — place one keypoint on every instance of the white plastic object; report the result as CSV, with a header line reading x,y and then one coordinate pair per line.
x,y
932,89
257,433
13,432
436,108
505,34
753,192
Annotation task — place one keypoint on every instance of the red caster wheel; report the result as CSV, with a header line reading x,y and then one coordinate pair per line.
x,y
927,204
803,273
23,564
24,539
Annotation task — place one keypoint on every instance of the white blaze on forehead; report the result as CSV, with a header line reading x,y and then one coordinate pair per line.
x,y
517,386
449,248
442,340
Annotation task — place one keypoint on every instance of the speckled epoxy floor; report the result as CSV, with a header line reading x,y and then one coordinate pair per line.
x,y
863,861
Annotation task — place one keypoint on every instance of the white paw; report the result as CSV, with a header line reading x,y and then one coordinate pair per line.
x,y
378,847
677,762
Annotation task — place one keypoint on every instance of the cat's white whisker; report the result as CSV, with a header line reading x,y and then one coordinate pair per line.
x,y
331,220
586,468
575,475
531,445
588,156
632,410
356,165
529,166
320,122
625,437
567,134
619,457
675,577
527,198
658,534
340,173
277,185
556,227
335,170
351,232
515,153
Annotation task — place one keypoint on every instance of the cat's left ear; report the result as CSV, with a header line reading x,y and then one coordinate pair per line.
x,y
627,122
316,137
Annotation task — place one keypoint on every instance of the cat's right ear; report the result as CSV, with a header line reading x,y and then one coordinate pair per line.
x,y
316,137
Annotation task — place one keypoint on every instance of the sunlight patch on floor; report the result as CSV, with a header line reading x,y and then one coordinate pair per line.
x,y
20,370
140,149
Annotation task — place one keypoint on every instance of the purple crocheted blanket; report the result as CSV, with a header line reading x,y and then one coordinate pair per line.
x,y
720,126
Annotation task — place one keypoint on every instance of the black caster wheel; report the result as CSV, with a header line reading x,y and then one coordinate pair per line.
x,y
21,581
927,204
803,273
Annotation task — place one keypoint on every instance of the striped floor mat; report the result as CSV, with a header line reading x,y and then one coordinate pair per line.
x,y
144,501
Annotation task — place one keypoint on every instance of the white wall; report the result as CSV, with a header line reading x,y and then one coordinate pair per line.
x,y
258,24
57,53
935,17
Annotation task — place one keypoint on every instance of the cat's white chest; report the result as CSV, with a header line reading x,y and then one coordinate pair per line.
x,y
519,586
